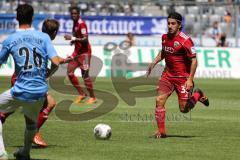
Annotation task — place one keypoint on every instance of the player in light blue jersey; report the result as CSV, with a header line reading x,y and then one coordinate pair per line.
x,y
31,51
50,26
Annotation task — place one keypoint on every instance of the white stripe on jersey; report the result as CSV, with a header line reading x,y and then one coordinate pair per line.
x,y
183,35
80,21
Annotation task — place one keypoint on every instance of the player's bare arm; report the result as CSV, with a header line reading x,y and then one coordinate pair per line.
x,y
71,38
68,59
152,65
61,60
67,37
55,60
65,60
189,82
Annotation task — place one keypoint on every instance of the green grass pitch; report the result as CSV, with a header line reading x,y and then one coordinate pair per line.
x,y
206,133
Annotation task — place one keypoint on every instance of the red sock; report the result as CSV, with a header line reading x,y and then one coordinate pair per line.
x,y
43,116
160,115
196,96
76,84
2,117
89,85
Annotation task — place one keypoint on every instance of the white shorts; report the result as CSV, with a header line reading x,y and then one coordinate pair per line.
x,y
9,104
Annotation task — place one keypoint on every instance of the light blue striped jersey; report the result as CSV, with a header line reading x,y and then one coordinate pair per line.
x,y
30,50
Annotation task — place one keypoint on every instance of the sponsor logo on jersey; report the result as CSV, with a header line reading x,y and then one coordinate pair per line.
x,y
168,49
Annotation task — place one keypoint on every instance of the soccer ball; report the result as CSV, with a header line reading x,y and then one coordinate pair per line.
x,y
102,131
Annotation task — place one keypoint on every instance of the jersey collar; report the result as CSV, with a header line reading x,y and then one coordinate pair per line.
x,y
27,29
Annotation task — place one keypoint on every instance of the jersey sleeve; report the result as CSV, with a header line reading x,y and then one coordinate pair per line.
x,y
163,40
162,51
189,48
83,29
51,52
4,54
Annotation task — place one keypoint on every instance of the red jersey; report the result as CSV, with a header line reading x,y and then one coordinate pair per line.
x,y
178,52
80,30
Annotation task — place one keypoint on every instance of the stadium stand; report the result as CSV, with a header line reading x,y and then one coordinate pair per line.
x,y
198,14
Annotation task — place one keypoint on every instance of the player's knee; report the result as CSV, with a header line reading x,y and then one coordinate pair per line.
x,y
52,104
160,99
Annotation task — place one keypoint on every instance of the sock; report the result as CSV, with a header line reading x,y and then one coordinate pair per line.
x,y
160,115
30,132
75,83
191,102
196,96
2,148
2,117
89,85
43,116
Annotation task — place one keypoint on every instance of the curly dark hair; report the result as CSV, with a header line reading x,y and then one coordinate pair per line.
x,y
177,16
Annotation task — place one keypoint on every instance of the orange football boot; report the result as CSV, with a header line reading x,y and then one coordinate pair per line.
x,y
91,100
80,98
39,141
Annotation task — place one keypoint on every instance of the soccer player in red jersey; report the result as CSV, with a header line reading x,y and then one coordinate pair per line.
x,y
181,63
82,52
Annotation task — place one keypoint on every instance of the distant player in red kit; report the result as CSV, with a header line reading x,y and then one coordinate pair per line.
x,y
181,63
82,55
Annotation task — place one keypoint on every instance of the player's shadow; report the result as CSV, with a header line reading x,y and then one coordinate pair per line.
x,y
49,146
180,136
38,147
38,159
176,136
30,159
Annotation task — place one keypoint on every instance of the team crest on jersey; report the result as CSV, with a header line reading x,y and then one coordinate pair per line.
x,y
176,44
83,31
